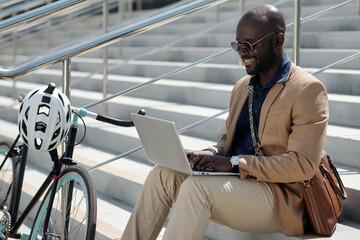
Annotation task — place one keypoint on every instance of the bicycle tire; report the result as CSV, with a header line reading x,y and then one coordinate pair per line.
x,y
81,226
7,176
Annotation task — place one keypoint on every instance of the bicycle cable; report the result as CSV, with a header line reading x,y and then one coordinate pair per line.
x,y
83,137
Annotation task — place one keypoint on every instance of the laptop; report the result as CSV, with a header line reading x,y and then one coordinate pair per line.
x,y
163,146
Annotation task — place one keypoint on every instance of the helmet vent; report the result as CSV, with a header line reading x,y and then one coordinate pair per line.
x,y
68,114
62,100
52,145
44,109
46,99
27,113
24,128
58,118
56,134
33,93
38,143
21,106
40,126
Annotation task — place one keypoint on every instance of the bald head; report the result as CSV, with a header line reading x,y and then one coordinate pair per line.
x,y
265,15
260,34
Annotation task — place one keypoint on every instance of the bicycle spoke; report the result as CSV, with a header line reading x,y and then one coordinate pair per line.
x,y
69,220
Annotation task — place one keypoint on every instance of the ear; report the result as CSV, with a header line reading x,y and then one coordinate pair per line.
x,y
279,39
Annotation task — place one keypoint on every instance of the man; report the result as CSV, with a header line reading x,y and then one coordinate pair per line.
x,y
290,111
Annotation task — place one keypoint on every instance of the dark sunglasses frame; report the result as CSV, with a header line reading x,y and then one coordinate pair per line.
x,y
246,47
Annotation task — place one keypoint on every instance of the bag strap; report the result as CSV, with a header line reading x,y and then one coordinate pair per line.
x,y
338,188
253,129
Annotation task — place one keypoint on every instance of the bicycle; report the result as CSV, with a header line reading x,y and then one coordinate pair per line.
x,y
68,210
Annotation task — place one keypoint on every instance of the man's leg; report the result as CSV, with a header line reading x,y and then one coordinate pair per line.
x,y
152,208
243,205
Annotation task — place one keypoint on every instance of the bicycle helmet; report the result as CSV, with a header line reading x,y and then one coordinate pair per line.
x,y
44,118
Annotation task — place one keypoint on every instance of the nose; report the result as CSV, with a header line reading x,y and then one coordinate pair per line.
x,y
243,54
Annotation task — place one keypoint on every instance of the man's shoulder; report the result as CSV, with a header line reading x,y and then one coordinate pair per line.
x,y
301,81
299,75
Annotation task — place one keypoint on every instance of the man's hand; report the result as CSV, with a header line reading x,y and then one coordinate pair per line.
x,y
205,159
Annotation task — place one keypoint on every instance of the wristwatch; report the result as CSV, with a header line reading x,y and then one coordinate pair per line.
x,y
234,160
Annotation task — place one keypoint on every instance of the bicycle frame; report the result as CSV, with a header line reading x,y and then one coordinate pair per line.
x,y
66,159
53,176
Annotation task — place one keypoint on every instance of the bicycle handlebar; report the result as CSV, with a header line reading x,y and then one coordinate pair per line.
x,y
118,122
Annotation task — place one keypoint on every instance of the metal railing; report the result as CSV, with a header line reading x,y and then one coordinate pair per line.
x,y
11,8
36,14
7,3
66,54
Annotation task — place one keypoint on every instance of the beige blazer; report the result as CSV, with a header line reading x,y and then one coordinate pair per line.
x,y
292,132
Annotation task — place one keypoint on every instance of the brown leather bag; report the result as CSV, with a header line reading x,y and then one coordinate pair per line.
x,y
323,195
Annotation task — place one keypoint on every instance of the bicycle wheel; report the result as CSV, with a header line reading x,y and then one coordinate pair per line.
x,y
74,218
7,175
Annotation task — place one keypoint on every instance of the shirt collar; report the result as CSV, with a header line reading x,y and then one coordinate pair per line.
x,y
280,75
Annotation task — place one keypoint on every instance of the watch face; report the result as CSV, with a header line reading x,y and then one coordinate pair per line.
x,y
234,160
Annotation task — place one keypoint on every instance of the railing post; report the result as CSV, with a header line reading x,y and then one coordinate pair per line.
x,y
129,9
13,38
217,13
138,5
241,7
296,37
66,77
241,12
120,20
48,30
105,57
358,8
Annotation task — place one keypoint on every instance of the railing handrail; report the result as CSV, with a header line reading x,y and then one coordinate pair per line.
x,y
13,8
37,13
36,26
106,39
322,12
7,3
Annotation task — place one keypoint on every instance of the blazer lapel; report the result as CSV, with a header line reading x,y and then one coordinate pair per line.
x,y
272,95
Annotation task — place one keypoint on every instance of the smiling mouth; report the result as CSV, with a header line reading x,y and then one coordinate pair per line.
x,y
248,61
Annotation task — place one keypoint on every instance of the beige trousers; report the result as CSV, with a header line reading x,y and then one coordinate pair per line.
x,y
243,205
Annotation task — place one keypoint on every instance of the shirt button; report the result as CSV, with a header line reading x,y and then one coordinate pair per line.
x,y
256,111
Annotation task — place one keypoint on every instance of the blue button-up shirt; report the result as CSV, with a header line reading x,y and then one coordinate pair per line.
x,y
242,144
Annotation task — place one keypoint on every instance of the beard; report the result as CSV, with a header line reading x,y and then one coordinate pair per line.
x,y
264,63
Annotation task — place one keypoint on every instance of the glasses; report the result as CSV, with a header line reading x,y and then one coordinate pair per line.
x,y
246,47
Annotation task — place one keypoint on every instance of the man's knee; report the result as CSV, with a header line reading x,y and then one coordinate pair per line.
x,y
163,174
193,188
165,179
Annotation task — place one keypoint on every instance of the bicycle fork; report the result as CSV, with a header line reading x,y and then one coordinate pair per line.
x,y
67,193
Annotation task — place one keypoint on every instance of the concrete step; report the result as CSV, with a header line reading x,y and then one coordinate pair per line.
x,y
308,57
341,81
119,184
184,115
306,10
314,39
321,24
184,92
230,10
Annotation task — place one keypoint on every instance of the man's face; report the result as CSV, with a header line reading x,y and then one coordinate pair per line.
x,y
262,57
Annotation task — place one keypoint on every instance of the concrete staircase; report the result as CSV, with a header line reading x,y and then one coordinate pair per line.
x,y
188,97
